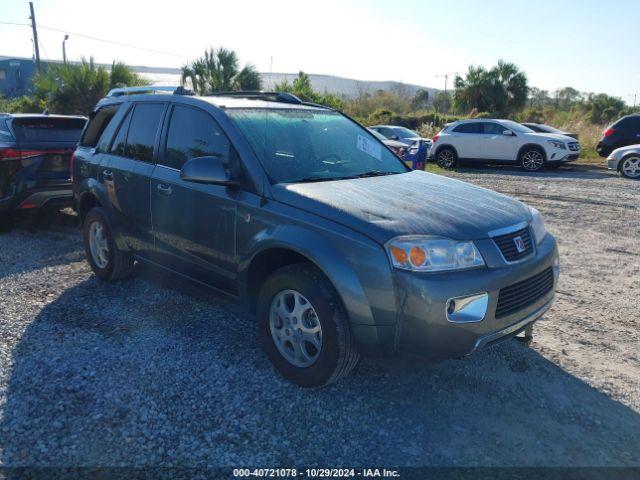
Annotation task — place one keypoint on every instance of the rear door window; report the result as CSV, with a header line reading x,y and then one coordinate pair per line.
x,y
491,128
48,129
468,128
137,135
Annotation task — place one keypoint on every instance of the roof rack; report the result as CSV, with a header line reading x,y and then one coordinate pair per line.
x,y
282,97
150,89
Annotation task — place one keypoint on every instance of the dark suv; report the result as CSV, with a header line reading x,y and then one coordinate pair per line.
x,y
35,151
316,226
625,131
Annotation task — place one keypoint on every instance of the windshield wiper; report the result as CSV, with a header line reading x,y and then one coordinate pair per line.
x,y
315,179
373,173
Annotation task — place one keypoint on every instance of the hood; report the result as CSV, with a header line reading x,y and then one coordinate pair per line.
x,y
628,149
553,136
412,203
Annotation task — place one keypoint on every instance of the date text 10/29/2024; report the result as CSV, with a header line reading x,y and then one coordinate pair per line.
x,y
316,472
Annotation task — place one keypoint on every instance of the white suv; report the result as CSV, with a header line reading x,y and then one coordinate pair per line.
x,y
501,141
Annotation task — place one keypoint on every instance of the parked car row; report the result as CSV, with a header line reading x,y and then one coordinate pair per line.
x,y
415,148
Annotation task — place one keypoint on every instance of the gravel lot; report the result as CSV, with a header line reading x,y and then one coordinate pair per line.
x,y
150,371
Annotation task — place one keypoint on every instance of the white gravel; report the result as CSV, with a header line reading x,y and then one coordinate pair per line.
x,y
150,371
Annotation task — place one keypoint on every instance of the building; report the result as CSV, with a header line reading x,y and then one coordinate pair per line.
x,y
16,76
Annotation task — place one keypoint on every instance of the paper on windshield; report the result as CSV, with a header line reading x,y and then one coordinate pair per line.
x,y
369,147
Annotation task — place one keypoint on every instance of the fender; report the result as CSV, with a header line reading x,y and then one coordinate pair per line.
x,y
530,145
90,186
326,257
440,147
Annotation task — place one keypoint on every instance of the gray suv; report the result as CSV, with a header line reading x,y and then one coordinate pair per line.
x,y
311,222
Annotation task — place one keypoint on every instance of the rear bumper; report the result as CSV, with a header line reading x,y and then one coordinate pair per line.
x,y
58,197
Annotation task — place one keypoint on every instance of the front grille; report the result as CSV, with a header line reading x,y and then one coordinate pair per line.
x,y
574,146
522,294
508,244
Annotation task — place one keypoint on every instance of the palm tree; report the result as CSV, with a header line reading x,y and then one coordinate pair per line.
x,y
217,71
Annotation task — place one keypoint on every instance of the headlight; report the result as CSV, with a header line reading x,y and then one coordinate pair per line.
x,y
557,144
432,254
537,225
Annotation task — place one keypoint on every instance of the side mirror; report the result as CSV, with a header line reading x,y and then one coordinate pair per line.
x,y
206,170
508,133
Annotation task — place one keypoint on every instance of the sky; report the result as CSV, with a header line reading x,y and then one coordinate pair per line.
x,y
593,46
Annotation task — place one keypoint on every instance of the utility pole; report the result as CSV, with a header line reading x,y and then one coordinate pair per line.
x,y
446,79
64,51
35,35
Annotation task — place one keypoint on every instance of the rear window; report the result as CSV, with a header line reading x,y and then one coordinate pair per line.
x,y
45,129
5,134
631,122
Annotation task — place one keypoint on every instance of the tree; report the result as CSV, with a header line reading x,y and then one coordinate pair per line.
x,y
502,89
442,102
219,71
75,88
301,88
604,108
421,99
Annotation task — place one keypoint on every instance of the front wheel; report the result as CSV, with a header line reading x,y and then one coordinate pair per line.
x,y
630,167
446,158
303,327
532,160
106,260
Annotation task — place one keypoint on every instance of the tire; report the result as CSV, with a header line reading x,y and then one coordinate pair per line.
x,y
277,305
629,167
110,264
532,159
447,158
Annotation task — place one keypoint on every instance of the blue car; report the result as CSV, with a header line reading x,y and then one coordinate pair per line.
x,y
417,147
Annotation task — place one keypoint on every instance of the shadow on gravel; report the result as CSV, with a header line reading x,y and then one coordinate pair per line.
x,y
582,171
48,238
149,371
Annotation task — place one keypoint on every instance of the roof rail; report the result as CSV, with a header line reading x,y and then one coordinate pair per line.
x,y
282,97
150,89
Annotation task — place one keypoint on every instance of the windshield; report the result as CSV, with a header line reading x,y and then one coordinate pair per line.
x,y
298,145
405,132
516,127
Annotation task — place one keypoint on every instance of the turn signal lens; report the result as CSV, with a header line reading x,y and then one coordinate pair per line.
x,y
399,254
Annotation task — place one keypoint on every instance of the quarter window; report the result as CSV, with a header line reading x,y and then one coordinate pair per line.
x,y
193,133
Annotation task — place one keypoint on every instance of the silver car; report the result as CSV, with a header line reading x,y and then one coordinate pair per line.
x,y
625,160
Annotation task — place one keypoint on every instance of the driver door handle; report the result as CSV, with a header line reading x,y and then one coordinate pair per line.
x,y
164,189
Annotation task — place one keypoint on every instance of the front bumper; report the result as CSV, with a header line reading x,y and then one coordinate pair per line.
x,y
612,163
563,156
423,326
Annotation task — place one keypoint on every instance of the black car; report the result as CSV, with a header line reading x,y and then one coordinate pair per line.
x,y
35,153
542,128
625,131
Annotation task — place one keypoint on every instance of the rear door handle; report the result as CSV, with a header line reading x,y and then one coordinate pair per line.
x,y
107,175
164,189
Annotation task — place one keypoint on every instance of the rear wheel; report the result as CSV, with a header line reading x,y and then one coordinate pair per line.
x,y
106,260
532,159
303,327
446,158
630,167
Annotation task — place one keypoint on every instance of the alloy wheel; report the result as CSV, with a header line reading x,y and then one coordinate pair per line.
x,y
631,167
98,245
445,159
532,160
295,328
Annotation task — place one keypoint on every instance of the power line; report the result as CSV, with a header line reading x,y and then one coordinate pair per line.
x,y
97,39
